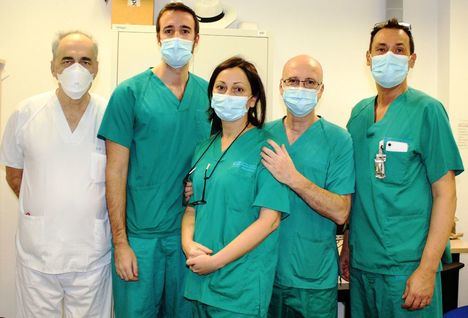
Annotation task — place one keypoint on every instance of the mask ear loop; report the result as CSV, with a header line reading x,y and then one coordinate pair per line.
x,y
248,99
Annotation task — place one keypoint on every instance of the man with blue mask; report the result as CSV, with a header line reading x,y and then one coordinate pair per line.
x,y
403,209
56,166
315,160
151,126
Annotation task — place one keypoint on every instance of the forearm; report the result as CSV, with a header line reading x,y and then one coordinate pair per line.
x,y
442,217
116,185
250,238
330,205
116,204
188,227
14,177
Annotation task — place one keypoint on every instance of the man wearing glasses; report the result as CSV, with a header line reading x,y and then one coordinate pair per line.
x,y
403,210
315,161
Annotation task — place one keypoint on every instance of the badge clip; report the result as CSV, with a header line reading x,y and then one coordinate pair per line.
x,y
379,163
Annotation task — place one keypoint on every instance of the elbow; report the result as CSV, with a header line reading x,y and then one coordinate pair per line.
x,y
340,220
454,202
268,221
9,181
342,216
275,224
14,184
116,172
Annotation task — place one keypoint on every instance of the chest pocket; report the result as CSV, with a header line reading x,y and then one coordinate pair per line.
x,y
242,183
98,167
397,164
315,170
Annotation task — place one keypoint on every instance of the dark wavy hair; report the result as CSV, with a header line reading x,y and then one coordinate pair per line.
x,y
256,114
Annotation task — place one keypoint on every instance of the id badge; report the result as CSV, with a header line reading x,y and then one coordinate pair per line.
x,y
379,163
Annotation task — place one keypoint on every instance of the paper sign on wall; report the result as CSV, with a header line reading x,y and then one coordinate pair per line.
x,y
134,3
133,12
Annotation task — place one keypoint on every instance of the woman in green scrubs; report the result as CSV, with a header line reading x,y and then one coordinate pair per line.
x,y
228,229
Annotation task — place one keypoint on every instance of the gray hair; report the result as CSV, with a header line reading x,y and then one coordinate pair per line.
x,y
62,35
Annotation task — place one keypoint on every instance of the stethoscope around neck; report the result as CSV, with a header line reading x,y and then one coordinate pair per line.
x,y
202,201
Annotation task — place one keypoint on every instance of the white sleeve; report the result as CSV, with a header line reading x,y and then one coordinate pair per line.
x,y
11,153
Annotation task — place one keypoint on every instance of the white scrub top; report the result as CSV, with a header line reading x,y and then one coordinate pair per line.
x,y
63,222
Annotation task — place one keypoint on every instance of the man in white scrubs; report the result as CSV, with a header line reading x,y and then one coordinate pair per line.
x,y
56,165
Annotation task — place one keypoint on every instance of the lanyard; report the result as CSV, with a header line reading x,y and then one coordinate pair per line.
x,y
202,201
192,169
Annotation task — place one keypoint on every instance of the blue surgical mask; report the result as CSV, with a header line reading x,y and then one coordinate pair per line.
x,y
300,101
389,70
176,52
228,107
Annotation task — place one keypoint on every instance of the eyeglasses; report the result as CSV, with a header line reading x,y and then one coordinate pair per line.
x,y
202,201
309,83
384,24
192,169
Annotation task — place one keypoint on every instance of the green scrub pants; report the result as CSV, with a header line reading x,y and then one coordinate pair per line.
x,y
376,295
289,302
201,310
160,287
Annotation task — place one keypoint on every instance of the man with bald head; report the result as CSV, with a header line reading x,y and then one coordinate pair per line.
x,y
56,166
315,160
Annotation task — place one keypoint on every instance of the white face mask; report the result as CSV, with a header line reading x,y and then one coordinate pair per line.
x,y
229,108
75,80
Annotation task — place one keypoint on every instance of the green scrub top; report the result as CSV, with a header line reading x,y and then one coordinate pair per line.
x,y
390,217
234,194
161,133
308,254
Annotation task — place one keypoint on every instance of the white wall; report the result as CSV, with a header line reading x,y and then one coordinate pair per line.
x,y
424,76
335,32
27,29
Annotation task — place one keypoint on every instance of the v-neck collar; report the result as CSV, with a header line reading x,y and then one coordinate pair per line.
x,y
183,103
390,115
315,125
217,143
62,125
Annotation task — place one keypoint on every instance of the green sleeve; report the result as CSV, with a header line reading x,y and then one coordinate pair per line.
x,y
439,150
117,123
270,193
340,178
